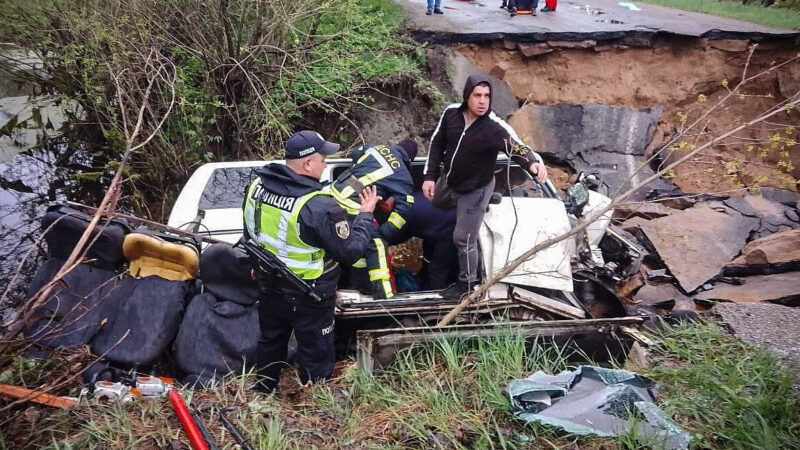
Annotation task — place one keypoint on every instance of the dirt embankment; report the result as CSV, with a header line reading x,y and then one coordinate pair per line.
x,y
683,76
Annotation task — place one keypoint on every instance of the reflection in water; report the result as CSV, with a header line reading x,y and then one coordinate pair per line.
x,y
28,185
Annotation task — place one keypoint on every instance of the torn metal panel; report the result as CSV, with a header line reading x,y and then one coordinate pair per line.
x,y
547,304
595,401
532,221
376,348
388,310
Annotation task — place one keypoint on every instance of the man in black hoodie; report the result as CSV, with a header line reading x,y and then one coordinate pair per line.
x,y
288,214
465,145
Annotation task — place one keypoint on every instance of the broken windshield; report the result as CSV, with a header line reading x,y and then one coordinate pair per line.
x,y
225,188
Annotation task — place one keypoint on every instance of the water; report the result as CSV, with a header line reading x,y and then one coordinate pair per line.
x,y
36,167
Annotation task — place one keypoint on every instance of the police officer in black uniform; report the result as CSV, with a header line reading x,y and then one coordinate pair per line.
x,y
287,214
388,168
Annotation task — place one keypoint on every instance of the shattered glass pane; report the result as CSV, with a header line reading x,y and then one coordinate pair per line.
x,y
225,188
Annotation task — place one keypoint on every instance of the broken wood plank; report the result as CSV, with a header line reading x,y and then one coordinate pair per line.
x,y
30,395
547,304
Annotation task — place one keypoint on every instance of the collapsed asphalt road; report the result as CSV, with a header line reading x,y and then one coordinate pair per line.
x,y
483,20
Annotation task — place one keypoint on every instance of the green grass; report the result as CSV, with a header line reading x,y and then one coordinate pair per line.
x,y
730,394
772,17
450,395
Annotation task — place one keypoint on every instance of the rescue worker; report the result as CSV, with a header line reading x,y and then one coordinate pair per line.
x,y
466,143
435,227
388,168
288,214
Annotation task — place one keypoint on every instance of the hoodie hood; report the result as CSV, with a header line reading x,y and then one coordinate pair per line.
x,y
472,81
282,180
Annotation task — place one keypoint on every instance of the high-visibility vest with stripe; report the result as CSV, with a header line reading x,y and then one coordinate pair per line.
x,y
347,195
272,220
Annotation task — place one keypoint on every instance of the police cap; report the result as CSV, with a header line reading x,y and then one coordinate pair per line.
x,y
306,142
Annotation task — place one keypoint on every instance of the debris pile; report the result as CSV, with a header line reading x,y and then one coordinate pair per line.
x,y
737,249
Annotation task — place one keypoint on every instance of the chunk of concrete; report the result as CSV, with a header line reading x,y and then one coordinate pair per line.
x,y
607,140
779,252
450,69
634,224
588,43
662,295
531,50
695,244
783,288
645,210
784,196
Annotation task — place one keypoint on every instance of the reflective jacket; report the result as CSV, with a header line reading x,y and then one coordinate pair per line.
x,y
289,216
388,169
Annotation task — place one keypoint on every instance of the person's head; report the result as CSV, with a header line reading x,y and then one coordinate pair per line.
x,y
477,95
410,147
306,151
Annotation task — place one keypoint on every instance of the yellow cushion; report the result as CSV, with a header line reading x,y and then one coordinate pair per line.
x,y
152,256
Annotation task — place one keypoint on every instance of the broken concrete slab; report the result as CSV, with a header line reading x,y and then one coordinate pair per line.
x,y
633,224
772,215
662,295
602,139
531,50
696,243
572,44
646,210
783,288
474,22
450,69
779,252
784,196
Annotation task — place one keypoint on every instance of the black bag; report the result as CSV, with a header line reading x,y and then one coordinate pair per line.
x,y
219,333
444,197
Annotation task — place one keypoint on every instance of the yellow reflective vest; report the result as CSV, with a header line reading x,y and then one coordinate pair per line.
x,y
272,220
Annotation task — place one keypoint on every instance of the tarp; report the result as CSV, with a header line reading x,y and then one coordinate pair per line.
x,y
595,401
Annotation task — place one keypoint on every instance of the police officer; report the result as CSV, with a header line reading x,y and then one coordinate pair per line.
x,y
287,213
388,168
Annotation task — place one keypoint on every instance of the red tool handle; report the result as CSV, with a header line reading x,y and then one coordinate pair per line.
x,y
189,425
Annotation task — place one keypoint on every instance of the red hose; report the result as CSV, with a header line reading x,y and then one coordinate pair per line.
x,y
189,426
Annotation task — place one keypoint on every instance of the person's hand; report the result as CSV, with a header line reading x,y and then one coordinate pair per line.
x,y
369,198
429,189
539,170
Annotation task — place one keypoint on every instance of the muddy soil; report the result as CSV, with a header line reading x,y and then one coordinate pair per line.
x,y
398,109
685,77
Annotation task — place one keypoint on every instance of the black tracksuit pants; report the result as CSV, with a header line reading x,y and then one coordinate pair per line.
x,y
312,324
